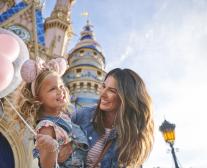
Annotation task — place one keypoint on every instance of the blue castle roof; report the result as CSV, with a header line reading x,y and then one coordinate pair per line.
x,y
87,40
39,19
12,11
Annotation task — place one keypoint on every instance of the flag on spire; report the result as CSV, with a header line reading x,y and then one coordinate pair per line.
x,y
85,13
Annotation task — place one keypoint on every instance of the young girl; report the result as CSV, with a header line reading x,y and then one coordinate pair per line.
x,y
46,100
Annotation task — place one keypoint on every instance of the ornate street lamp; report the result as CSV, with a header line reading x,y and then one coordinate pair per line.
x,y
168,131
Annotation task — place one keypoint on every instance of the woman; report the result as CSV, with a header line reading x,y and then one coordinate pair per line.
x,y
120,128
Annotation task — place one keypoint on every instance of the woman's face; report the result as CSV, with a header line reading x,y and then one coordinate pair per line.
x,y
110,100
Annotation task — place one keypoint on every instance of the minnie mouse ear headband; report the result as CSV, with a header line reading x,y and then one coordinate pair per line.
x,y
31,69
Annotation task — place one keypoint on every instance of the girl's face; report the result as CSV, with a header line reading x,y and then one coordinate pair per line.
x,y
52,93
110,100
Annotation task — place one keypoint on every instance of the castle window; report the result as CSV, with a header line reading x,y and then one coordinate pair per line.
x,y
95,53
81,52
78,70
74,86
81,85
98,73
88,85
96,87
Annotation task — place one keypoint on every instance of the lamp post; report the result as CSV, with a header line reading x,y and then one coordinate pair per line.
x,y
168,131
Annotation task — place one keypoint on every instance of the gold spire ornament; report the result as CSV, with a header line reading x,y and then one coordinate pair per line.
x,y
85,14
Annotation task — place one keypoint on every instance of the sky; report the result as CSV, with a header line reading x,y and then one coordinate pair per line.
x,y
165,42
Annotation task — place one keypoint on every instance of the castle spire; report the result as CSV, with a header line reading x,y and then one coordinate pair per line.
x,y
58,28
62,9
86,69
87,39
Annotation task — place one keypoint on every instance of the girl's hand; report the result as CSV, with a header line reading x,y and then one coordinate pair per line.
x,y
46,143
48,148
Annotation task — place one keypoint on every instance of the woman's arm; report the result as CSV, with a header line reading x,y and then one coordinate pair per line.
x,y
83,115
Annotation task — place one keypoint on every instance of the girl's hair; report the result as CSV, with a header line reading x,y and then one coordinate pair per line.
x,y
29,106
134,123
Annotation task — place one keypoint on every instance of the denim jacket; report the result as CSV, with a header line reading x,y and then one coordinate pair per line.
x,y
76,159
83,118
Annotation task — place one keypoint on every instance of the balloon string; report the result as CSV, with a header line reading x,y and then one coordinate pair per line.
x,y
2,116
25,122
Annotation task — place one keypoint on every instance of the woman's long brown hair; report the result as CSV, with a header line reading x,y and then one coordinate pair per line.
x,y
134,123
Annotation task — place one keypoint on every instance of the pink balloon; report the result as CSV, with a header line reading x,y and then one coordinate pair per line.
x,y
6,72
9,47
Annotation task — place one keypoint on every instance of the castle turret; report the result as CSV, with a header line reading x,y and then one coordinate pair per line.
x,y
86,69
58,29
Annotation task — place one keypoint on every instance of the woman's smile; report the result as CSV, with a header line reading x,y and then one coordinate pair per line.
x,y
104,102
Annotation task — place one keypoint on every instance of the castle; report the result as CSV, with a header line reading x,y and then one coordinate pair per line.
x,y
48,38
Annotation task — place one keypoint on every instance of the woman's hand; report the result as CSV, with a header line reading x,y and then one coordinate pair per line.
x,y
65,151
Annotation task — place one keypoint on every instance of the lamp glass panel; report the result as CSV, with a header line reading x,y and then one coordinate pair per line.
x,y
169,135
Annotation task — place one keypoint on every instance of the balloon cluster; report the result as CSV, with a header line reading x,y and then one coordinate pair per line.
x,y
9,51
13,52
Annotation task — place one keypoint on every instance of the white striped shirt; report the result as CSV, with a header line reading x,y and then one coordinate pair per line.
x,y
95,151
